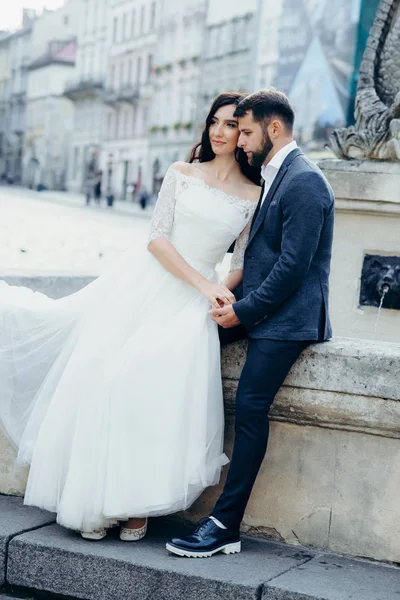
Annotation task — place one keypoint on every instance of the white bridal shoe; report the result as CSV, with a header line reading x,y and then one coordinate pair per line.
x,y
97,534
133,535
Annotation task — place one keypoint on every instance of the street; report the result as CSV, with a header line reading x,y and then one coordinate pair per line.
x,y
57,232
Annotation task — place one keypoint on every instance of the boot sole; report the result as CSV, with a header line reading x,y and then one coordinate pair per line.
x,y
233,548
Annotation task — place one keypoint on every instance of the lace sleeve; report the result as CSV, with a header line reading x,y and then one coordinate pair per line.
x,y
163,215
240,247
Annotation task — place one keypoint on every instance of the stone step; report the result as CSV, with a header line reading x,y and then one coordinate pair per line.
x,y
42,557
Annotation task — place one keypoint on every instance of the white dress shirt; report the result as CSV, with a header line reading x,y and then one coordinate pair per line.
x,y
270,171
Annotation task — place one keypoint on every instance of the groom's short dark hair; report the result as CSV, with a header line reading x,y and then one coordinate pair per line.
x,y
266,104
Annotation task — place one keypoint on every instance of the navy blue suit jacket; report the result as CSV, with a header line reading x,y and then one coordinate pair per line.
x,y
287,260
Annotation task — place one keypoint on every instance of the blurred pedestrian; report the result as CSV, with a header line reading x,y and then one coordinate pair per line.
x,y
143,197
97,186
89,188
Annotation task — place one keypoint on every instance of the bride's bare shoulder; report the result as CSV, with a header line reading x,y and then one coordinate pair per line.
x,y
182,167
250,190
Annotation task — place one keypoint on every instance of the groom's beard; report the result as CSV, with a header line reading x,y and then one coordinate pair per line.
x,y
258,157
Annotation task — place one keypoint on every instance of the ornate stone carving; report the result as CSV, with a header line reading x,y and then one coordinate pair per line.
x,y
376,134
380,281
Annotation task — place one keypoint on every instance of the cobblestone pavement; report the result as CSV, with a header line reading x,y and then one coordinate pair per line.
x,y
54,231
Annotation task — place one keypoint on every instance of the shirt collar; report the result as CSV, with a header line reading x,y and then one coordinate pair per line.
x,y
277,161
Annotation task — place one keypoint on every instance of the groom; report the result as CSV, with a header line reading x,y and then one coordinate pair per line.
x,y
284,306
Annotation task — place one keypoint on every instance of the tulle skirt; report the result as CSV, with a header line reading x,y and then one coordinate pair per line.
x,y
113,395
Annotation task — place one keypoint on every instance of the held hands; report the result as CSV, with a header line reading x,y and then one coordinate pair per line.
x,y
218,295
221,300
225,316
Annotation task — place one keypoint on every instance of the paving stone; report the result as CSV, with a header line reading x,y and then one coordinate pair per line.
x,y
55,560
15,519
331,577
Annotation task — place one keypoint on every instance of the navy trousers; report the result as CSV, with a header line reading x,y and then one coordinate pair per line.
x,y
267,364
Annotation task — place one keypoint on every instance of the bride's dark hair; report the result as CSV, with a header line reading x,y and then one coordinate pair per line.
x,y
202,151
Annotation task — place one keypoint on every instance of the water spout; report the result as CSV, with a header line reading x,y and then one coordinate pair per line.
x,y
385,289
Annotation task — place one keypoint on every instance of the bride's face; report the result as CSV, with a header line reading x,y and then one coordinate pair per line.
x,y
223,131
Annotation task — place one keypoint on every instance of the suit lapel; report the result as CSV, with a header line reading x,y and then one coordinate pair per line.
x,y
258,206
261,211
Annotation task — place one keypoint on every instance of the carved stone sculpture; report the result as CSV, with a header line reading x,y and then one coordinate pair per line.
x,y
380,281
376,134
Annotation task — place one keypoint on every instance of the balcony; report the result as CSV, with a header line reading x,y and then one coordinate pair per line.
x,y
18,98
84,88
111,98
128,94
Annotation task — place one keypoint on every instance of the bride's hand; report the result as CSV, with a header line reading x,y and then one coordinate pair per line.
x,y
218,295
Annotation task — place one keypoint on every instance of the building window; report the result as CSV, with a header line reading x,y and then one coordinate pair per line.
x,y
66,20
145,121
117,124
235,34
139,69
149,66
126,124
75,161
153,16
124,27
133,23
112,77
121,74
129,75
142,15
115,29
134,114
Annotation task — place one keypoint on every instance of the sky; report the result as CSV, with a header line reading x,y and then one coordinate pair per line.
x,y
11,11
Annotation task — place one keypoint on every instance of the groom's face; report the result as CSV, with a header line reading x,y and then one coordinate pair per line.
x,y
254,139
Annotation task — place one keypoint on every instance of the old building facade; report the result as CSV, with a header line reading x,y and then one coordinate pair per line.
x,y
228,51
49,114
180,47
132,38
86,91
19,58
4,83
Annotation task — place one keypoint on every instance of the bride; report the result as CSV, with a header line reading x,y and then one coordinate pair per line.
x,y
113,395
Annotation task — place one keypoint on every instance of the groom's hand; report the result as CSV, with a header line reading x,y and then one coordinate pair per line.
x,y
224,316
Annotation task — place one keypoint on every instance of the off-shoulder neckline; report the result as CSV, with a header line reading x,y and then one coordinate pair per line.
x,y
213,188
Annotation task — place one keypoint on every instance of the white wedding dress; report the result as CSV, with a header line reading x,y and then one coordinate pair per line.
x,y
113,395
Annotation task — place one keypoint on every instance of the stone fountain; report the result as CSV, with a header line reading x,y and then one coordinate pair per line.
x,y
366,181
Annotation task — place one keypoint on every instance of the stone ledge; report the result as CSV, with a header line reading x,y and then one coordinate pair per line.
x,y
16,519
364,414
55,285
58,561
331,577
364,186
345,365
344,384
